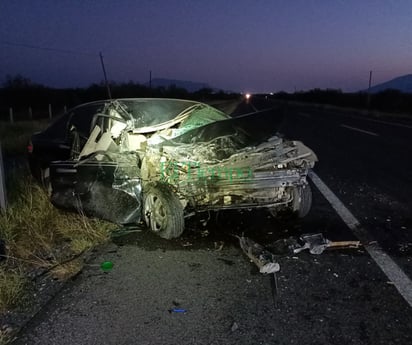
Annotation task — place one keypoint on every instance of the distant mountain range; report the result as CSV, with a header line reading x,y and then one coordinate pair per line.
x,y
188,85
403,83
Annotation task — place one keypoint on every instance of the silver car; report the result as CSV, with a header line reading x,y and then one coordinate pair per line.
x,y
163,160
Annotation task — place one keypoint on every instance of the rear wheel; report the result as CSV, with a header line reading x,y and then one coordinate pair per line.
x,y
162,211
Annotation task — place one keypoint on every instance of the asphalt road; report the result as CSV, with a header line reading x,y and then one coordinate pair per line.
x,y
367,164
338,297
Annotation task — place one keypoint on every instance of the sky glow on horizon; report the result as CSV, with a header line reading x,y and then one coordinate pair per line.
x,y
242,45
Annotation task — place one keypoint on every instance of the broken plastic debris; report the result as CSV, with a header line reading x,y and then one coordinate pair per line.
x,y
125,230
235,326
316,243
270,267
284,246
106,266
219,245
262,258
205,233
177,310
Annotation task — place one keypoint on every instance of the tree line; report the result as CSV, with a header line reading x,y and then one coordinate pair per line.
x,y
25,96
389,100
20,94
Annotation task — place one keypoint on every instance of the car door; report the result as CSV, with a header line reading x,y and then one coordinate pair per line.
x,y
89,183
96,188
63,168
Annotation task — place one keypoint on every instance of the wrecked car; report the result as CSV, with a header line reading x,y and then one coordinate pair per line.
x,y
163,160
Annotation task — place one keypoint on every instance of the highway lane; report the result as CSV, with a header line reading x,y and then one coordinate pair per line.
x,y
367,163
381,160
337,297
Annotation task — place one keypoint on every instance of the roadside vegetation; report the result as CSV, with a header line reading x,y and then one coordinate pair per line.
x,y
30,100
36,238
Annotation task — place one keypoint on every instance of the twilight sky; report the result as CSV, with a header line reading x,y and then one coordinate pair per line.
x,y
240,45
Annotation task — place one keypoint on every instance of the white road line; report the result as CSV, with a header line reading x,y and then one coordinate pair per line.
x,y
360,130
304,114
395,274
385,122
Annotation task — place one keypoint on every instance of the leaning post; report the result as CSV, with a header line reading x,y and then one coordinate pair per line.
x,y
11,115
3,194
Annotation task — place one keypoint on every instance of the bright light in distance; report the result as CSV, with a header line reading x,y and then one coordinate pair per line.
x,y
248,95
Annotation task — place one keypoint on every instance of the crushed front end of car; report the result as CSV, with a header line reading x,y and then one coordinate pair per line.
x,y
232,170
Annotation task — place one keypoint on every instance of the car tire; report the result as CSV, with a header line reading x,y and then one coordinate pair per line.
x,y
302,200
162,211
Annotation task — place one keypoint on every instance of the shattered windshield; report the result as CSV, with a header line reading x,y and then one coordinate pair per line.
x,y
153,112
248,129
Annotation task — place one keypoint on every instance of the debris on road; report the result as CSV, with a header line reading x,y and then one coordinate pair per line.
x,y
177,310
344,244
285,246
125,230
234,327
262,258
316,243
106,266
219,245
205,233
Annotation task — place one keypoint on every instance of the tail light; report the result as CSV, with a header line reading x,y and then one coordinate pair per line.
x,y
30,147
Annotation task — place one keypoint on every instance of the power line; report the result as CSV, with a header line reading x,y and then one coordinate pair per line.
x,y
64,51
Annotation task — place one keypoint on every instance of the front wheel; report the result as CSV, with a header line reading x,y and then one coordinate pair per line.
x,y
162,211
302,200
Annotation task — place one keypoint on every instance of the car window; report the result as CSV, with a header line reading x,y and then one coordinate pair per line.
x,y
152,112
58,128
82,117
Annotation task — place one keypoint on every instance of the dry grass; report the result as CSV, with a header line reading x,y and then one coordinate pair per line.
x,y
32,227
38,235
67,270
11,288
29,221
4,337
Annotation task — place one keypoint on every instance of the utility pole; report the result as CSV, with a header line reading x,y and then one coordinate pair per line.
x,y
369,89
150,79
105,76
